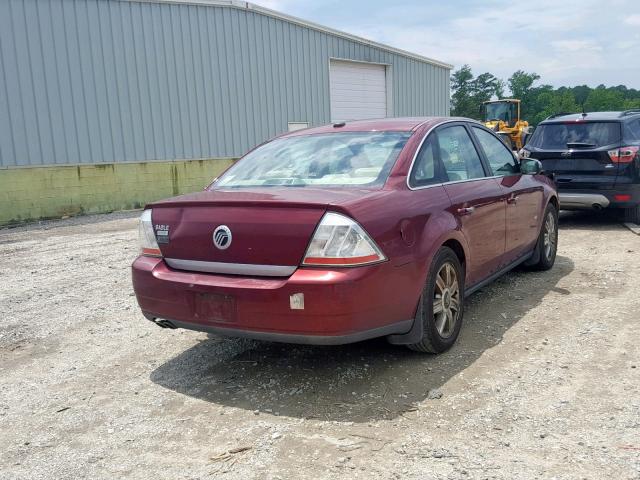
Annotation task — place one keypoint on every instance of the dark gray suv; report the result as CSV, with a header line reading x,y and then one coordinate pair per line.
x,y
594,158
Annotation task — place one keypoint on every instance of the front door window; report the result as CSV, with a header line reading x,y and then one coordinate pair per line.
x,y
458,154
500,158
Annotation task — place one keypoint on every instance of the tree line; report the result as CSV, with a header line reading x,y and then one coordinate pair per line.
x,y
538,101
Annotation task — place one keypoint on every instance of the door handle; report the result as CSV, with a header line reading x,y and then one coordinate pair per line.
x,y
512,200
466,210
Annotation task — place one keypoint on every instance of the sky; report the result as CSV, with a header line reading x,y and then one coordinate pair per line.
x,y
567,42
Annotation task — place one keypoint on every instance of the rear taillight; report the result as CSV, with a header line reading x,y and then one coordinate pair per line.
x,y
147,237
622,197
340,242
623,154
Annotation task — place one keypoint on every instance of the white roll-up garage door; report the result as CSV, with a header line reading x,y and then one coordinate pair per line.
x,y
358,90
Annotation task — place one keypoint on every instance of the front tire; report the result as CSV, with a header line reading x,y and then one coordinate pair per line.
x,y
441,304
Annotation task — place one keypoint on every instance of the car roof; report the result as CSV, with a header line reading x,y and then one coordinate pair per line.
x,y
591,116
400,124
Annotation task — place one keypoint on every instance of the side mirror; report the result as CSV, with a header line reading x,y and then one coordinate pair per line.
x,y
530,166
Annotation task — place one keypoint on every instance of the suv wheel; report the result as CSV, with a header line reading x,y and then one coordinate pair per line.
x,y
632,215
544,255
441,304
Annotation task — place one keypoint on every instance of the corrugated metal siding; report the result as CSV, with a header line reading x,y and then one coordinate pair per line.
x,y
102,81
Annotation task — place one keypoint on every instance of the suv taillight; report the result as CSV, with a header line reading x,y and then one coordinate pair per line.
x,y
623,154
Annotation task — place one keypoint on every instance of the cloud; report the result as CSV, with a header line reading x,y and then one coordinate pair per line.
x,y
633,20
272,4
278,5
564,42
576,45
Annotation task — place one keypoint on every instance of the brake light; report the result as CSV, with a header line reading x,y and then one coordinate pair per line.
x,y
623,154
340,242
622,197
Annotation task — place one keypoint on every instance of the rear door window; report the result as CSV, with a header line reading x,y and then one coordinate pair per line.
x,y
560,136
498,155
458,154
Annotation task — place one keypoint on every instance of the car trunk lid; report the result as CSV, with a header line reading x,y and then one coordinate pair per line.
x,y
268,227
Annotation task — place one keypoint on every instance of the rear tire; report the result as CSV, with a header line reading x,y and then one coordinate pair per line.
x,y
441,304
632,215
547,245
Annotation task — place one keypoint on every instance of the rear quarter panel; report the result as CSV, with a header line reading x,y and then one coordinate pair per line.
x,y
409,227
550,191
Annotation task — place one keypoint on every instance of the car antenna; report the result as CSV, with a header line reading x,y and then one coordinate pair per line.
x,y
339,124
584,114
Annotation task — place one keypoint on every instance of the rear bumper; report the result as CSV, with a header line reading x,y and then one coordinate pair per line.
x,y
399,328
579,201
340,305
618,196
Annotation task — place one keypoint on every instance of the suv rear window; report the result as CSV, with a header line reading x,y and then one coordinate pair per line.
x,y
553,136
632,131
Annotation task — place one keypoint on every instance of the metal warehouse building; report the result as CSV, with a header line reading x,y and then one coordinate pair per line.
x,y
108,104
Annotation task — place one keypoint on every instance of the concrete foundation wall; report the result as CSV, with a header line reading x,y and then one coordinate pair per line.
x,y
52,192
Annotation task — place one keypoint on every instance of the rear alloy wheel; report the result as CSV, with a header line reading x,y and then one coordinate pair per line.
x,y
547,245
441,304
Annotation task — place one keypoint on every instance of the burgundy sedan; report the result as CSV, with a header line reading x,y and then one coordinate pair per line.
x,y
346,232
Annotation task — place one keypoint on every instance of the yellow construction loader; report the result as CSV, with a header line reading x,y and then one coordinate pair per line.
x,y
503,117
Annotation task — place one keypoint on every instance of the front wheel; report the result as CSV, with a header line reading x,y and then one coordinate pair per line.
x,y
547,246
441,304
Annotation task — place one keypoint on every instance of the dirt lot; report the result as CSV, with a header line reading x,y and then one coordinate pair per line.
x,y
543,383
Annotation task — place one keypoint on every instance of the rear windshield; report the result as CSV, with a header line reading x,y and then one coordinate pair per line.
x,y
561,136
347,159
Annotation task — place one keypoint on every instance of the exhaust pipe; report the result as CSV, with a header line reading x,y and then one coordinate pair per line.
x,y
164,323
161,322
597,207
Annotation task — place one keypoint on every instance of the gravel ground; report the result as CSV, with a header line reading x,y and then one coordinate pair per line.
x,y
543,383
